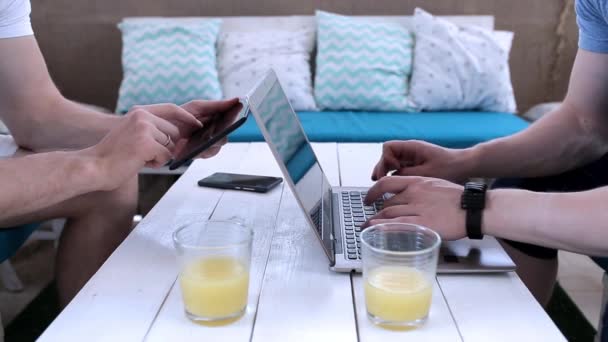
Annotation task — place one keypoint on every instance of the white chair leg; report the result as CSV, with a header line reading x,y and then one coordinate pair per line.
x,y
57,226
9,278
53,234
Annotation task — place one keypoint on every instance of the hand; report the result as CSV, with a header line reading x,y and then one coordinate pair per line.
x,y
144,137
418,158
207,113
429,202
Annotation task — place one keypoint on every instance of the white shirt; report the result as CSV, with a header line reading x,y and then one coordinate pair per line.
x,y
15,18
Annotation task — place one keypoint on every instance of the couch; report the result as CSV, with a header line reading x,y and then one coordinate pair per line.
x,y
82,40
449,128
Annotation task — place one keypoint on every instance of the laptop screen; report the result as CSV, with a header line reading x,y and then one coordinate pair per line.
x,y
285,133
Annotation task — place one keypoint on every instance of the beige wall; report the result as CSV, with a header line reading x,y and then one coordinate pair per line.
x,y
82,45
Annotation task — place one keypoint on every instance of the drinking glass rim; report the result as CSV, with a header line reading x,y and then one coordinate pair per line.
x,y
417,226
247,229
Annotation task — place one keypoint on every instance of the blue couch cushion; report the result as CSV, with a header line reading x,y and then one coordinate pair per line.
x,y
449,129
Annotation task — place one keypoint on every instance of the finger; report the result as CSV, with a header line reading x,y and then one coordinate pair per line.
x,y
398,199
172,112
404,219
385,165
226,118
396,211
391,184
411,171
200,108
179,147
222,142
161,156
166,127
161,138
388,160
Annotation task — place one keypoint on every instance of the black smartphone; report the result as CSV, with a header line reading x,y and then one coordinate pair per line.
x,y
211,133
233,181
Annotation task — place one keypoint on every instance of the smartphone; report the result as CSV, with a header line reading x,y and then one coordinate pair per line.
x,y
233,181
211,133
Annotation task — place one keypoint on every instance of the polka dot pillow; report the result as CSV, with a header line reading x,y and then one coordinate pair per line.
x,y
245,57
460,68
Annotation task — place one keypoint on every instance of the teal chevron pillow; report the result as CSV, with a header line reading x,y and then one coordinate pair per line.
x,y
168,60
362,65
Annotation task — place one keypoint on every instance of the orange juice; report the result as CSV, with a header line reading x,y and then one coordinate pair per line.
x,y
215,287
397,294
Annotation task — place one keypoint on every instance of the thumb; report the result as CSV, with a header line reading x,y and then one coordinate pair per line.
x,y
418,170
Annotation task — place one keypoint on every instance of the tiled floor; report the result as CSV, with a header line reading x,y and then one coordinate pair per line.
x,y
581,278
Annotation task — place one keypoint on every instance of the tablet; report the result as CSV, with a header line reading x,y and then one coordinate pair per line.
x,y
211,133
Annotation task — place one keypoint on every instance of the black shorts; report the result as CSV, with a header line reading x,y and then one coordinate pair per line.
x,y
588,177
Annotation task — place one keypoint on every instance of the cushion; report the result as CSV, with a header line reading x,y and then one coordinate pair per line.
x,y
168,61
449,129
244,57
361,65
12,238
464,68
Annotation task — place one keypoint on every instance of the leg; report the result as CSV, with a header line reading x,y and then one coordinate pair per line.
x,y
536,265
96,224
538,274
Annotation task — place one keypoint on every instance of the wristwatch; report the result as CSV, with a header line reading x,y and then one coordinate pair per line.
x,y
473,200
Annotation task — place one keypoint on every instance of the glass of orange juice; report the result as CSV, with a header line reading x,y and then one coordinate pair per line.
x,y
214,259
399,267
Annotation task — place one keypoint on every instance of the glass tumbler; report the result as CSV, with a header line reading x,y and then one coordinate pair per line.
x,y
399,267
214,259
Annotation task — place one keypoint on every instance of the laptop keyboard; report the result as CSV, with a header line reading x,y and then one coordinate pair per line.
x,y
355,213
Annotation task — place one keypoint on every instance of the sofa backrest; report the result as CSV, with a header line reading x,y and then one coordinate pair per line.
x,y
82,45
297,22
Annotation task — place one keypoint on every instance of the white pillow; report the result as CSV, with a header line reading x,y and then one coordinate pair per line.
x,y
244,57
460,68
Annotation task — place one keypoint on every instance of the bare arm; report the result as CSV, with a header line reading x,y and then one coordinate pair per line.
x,y
573,135
38,116
576,222
40,180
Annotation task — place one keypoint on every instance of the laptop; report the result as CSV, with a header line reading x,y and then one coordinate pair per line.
x,y
337,213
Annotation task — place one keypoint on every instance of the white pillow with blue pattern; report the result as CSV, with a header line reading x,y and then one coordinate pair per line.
x,y
168,60
362,65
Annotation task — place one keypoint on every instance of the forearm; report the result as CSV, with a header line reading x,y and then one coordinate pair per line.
x,y
38,181
64,125
576,222
558,142
34,110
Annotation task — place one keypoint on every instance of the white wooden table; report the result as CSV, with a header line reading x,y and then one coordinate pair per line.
x,y
293,296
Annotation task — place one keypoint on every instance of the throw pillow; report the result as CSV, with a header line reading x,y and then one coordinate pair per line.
x,y
362,65
458,68
166,60
244,57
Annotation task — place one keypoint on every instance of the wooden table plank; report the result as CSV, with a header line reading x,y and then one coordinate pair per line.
x,y
440,326
497,305
356,163
121,300
258,211
302,300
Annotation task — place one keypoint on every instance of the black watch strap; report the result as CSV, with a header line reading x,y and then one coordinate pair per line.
x,y
473,200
